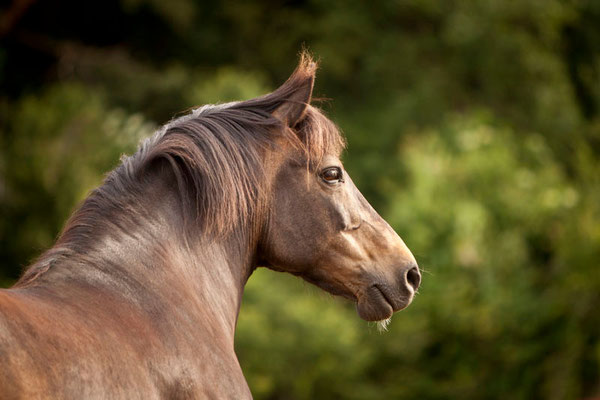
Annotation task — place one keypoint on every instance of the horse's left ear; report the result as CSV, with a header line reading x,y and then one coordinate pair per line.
x,y
296,92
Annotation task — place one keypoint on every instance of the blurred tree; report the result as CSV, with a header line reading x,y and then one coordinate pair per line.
x,y
55,148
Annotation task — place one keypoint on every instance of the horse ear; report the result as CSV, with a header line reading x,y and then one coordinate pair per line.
x,y
296,92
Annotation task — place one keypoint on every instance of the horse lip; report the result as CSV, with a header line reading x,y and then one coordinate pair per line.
x,y
396,305
385,296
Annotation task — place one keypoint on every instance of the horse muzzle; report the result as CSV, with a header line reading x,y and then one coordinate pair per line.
x,y
384,297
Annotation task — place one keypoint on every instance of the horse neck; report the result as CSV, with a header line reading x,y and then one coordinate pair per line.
x,y
143,248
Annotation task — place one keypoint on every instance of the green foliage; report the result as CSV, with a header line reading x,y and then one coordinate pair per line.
x,y
474,127
492,216
57,146
298,348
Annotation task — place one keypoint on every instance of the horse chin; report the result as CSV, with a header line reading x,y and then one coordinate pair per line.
x,y
376,305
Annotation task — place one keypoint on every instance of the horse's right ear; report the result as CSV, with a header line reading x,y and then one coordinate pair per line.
x,y
295,94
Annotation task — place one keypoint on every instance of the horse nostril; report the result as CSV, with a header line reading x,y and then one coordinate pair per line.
x,y
413,277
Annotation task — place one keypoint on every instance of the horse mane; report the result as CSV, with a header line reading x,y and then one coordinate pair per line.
x,y
215,154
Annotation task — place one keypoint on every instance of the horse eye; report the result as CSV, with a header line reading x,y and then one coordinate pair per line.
x,y
332,175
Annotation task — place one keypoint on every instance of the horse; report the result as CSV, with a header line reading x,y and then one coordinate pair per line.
x,y
139,296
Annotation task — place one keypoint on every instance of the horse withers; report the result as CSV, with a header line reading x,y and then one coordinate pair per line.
x,y
139,297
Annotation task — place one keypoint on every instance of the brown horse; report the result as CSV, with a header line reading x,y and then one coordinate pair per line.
x,y
139,297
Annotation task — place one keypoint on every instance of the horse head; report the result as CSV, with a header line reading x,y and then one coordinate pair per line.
x,y
319,226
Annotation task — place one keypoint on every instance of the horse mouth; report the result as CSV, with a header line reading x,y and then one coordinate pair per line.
x,y
379,303
385,296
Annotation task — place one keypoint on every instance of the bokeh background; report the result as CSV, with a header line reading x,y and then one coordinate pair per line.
x,y
474,128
